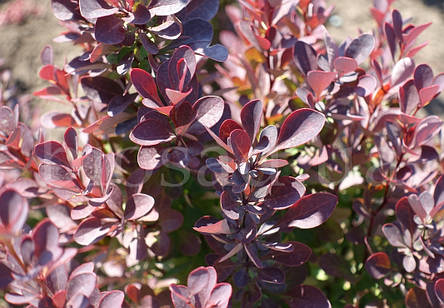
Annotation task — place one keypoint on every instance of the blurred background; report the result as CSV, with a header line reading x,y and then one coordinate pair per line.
x,y
26,26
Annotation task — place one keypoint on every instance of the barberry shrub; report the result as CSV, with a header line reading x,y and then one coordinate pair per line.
x,y
277,168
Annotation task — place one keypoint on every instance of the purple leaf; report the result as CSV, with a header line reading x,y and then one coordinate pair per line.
x,y
310,211
63,10
112,299
366,85
149,158
438,194
109,30
203,9
52,151
299,127
423,76
138,205
5,276
408,97
391,38
251,116
46,239
90,231
426,129
284,192
361,47
208,110
70,138
305,57
228,206
378,265
220,296
201,281
271,275
92,9
13,210
84,283
119,103
167,7
402,70
393,235
7,121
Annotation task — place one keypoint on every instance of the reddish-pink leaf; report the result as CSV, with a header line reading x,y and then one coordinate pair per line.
x,y
240,143
145,84
207,225
13,210
227,127
345,65
427,94
319,81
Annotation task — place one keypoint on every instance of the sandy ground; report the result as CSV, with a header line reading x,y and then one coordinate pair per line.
x,y
21,44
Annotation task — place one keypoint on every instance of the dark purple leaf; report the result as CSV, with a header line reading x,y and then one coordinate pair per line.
x,y
361,47
299,127
426,129
295,257
391,38
141,15
151,132
203,9
378,265
307,296
198,34
5,276
109,30
149,46
119,103
101,89
284,192
267,139
310,211
271,275
92,9
438,194
70,138
251,116
46,240
305,57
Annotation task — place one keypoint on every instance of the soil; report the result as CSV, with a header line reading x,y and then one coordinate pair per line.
x,y
20,44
